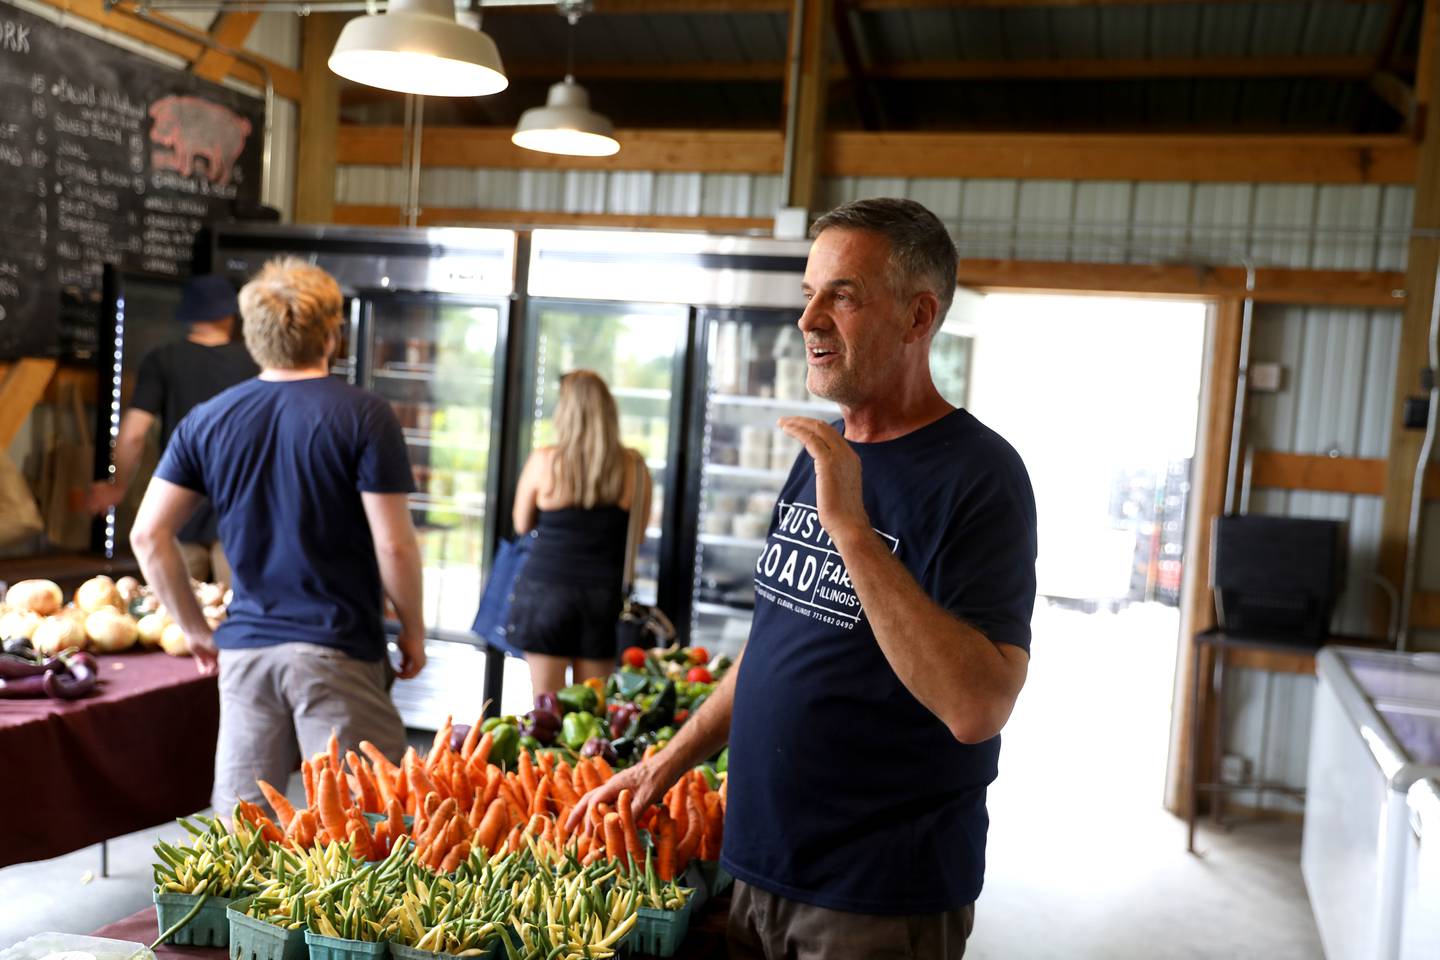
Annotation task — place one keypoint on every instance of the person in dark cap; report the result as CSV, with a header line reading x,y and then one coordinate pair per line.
x,y
173,379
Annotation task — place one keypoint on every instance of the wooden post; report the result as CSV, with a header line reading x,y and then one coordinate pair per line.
x,y
1207,501
813,23
21,387
319,120
1413,355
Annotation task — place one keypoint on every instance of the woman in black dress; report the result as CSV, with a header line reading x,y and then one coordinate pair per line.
x,y
574,498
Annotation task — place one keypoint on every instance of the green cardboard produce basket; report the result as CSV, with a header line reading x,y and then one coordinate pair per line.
x,y
659,933
252,939
333,948
209,928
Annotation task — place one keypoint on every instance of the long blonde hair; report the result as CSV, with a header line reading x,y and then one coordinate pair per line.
x,y
589,460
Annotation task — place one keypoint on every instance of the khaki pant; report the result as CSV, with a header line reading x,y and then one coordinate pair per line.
x,y
278,704
764,925
207,562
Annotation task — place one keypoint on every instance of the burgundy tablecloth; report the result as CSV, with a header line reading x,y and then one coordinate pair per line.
x,y
139,752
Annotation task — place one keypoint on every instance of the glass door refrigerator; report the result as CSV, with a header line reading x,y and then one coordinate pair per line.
x,y
427,319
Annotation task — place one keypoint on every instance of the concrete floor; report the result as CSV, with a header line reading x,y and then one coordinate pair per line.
x,y
1083,860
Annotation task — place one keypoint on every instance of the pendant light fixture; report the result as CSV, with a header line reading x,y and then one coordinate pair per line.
x,y
417,47
566,124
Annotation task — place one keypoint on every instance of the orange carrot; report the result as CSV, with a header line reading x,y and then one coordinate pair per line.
x,y
562,789
477,812
541,802
360,840
307,772
676,800
382,763
332,814
460,786
481,757
589,779
380,843
382,789
333,747
467,747
455,857
509,789
627,824
437,823
546,763
369,796
602,768
689,844
665,847
614,838
284,809
395,819
714,829
492,789
420,782
493,824
442,742
526,770
305,829
515,839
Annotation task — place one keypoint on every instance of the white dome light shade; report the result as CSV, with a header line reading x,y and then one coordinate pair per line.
x,y
566,124
417,47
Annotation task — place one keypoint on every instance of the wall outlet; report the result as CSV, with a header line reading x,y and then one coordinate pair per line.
x,y
1265,377
1234,769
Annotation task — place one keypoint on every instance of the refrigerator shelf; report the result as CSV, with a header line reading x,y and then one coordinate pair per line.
x,y
426,438
722,540
429,372
746,473
742,400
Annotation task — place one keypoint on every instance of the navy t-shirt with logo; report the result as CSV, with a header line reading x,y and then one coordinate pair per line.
x,y
845,791
284,463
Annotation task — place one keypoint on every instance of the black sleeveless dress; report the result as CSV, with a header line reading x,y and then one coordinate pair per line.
x,y
567,598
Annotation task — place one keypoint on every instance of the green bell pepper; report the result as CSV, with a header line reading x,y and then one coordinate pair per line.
x,y
577,728
723,764
578,698
506,746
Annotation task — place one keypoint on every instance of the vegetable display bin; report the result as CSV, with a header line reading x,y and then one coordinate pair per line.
x,y
208,928
496,951
659,933
252,939
333,948
375,818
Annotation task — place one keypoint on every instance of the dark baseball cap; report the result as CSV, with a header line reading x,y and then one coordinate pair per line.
x,y
207,297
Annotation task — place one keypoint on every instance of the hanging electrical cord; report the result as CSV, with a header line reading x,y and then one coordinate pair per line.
x,y
1242,380
1431,376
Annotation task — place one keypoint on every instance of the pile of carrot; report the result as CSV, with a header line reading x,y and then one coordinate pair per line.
x,y
460,802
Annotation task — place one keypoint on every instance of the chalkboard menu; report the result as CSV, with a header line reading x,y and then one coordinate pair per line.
x,y
105,157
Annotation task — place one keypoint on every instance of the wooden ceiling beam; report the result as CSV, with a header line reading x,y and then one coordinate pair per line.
x,y
231,29
1278,158
121,19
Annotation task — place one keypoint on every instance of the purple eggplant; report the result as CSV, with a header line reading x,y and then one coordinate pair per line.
x,y
77,677
540,724
599,747
23,687
550,703
457,736
15,668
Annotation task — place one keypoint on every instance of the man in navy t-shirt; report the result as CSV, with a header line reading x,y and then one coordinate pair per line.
x,y
891,633
309,478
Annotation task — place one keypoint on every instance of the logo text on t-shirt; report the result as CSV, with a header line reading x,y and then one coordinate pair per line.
x,y
801,570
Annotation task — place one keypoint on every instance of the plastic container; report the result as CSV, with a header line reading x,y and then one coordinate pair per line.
x,y
376,818
208,928
333,948
659,933
48,944
401,952
252,939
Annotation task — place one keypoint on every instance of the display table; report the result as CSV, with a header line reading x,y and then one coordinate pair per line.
x,y
705,941
68,570
139,752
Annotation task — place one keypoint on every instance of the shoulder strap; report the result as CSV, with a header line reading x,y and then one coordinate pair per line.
x,y
636,529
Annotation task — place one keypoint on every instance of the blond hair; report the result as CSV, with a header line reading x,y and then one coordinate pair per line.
x,y
587,469
291,308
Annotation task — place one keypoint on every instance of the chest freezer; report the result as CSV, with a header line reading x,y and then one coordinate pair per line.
x,y
1375,738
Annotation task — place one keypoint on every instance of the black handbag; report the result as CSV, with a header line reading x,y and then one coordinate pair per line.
x,y
640,624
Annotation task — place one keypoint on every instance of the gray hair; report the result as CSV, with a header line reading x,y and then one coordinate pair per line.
x,y
922,255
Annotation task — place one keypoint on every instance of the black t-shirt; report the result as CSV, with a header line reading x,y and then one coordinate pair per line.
x,y
176,378
845,791
284,463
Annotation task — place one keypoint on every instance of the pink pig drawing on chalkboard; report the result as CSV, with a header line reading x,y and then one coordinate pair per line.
x,y
191,127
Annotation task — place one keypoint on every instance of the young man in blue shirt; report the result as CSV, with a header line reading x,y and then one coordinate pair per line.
x,y
309,478
891,632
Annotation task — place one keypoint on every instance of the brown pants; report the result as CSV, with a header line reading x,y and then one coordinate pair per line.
x,y
764,925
